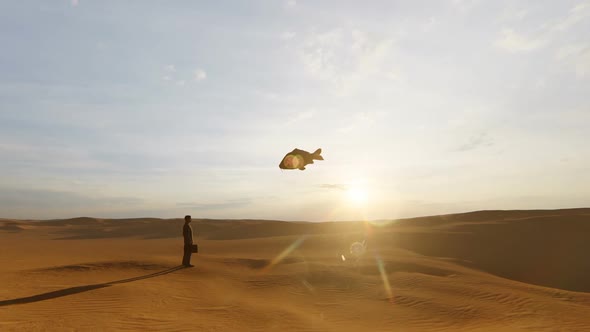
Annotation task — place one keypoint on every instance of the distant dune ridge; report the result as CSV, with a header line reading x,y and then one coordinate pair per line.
x,y
484,270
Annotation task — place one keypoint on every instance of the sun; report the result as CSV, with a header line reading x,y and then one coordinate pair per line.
x,y
357,194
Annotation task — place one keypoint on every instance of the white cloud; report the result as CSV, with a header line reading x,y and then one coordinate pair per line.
x,y
577,14
464,5
287,35
569,50
513,42
334,186
200,74
582,63
346,58
66,158
512,14
301,116
577,56
361,120
290,3
267,95
429,25
170,68
479,140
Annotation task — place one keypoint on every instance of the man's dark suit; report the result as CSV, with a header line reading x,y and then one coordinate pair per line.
x,y
187,233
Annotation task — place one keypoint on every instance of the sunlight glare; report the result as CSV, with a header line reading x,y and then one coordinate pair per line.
x,y
357,194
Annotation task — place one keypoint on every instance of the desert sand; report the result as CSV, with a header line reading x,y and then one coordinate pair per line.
x,y
479,271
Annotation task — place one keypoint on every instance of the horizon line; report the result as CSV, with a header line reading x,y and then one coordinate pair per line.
x,y
285,220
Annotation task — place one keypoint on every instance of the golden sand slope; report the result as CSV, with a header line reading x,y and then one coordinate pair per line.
x,y
484,271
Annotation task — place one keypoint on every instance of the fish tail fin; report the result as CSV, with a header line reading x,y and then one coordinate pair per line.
x,y
317,155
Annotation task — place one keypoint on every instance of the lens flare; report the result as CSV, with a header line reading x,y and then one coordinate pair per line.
x,y
383,273
293,161
357,249
284,253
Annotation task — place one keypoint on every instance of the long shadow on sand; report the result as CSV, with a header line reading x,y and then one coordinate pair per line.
x,y
81,289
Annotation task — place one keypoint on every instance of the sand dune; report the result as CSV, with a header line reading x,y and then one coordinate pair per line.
x,y
480,271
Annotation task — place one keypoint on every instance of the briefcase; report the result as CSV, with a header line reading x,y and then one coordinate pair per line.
x,y
195,248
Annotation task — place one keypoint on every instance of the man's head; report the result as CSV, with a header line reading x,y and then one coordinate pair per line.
x,y
187,219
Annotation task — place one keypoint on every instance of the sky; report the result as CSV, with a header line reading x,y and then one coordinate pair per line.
x,y
116,109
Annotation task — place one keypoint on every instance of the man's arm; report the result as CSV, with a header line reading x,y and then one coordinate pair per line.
x,y
188,234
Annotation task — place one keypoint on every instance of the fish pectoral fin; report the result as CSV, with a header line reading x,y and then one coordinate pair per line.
x,y
301,168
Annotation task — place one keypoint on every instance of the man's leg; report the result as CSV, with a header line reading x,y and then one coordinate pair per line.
x,y
188,251
186,259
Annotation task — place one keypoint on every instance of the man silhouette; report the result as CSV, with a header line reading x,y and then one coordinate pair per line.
x,y
187,233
